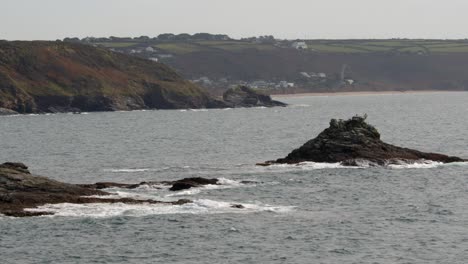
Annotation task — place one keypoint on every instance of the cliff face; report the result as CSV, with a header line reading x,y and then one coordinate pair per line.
x,y
42,76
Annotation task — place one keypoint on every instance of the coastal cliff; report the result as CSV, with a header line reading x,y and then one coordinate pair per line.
x,y
41,76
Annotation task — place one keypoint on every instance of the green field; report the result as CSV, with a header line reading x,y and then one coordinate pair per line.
x,y
407,46
402,46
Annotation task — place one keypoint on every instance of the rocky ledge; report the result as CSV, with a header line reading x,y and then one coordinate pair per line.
x,y
20,190
352,141
177,185
243,96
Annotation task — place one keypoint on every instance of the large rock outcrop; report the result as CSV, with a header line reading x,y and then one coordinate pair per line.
x,y
243,96
352,141
19,189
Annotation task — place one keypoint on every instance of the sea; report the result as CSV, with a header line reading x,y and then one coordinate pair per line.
x,y
306,213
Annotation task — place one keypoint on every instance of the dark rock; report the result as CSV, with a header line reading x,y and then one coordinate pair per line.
x,y
238,206
243,96
178,185
352,141
19,189
15,166
105,185
4,111
188,183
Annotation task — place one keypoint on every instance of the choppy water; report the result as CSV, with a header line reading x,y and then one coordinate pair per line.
x,y
314,213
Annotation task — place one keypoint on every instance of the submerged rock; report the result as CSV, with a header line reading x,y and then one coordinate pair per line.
x,y
352,141
243,96
188,183
19,189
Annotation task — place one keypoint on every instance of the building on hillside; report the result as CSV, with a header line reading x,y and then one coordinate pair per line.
x,y
299,45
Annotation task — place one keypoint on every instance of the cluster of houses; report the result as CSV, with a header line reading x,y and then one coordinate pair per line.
x,y
148,52
258,84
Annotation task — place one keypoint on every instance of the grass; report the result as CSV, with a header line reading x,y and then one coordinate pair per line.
x,y
179,47
326,46
117,44
335,48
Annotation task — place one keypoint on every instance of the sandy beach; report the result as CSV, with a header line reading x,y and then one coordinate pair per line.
x,y
360,93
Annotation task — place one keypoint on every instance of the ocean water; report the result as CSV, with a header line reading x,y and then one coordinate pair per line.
x,y
312,213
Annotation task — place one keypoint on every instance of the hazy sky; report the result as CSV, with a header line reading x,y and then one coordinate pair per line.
x,y
56,19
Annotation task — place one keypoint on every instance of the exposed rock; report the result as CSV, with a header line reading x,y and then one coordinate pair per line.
x,y
19,189
352,141
243,96
4,111
188,183
106,185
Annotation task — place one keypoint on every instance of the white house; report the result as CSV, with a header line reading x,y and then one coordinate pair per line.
x,y
299,45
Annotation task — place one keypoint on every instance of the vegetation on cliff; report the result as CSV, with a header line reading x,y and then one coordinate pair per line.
x,y
41,76
311,65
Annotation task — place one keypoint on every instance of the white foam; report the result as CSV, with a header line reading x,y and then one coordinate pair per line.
x,y
402,164
223,183
306,166
420,164
202,206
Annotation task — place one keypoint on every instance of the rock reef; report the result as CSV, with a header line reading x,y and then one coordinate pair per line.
x,y
19,189
243,96
352,141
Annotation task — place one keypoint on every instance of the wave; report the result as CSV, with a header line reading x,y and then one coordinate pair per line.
x,y
425,164
360,164
223,183
202,206
299,105
307,166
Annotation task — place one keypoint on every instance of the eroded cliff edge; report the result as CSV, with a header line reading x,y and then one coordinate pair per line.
x,y
45,76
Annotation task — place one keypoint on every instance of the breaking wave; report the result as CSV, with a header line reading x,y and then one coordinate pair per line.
x,y
360,164
202,206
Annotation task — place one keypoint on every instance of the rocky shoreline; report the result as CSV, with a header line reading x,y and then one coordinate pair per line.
x,y
239,97
20,190
352,141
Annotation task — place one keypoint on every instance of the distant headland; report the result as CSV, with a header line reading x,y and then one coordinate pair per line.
x,y
281,66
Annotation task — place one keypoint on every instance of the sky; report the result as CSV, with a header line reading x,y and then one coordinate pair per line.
x,y
286,19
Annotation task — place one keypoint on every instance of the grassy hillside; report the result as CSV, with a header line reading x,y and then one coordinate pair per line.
x,y
272,64
319,46
55,76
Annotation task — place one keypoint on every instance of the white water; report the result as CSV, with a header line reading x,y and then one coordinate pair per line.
x,y
201,206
